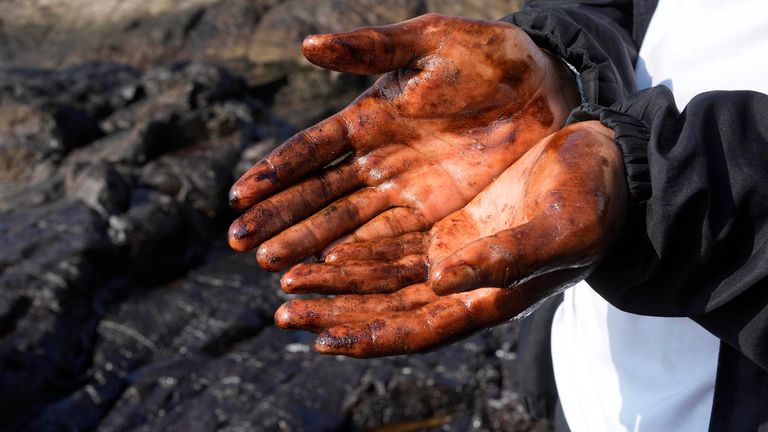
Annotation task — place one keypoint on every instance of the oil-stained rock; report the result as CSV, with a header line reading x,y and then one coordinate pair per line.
x,y
121,307
92,219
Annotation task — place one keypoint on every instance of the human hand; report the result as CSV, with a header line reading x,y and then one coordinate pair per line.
x,y
542,225
459,101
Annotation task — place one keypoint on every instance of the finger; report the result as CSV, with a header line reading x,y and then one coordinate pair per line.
x,y
310,236
373,50
305,152
271,216
319,314
391,223
379,250
510,257
358,277
441,321
496,261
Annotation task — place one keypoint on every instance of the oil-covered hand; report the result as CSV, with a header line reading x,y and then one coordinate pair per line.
x,y
541,226
459,101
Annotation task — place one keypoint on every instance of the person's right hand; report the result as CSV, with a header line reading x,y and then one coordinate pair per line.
x,y
543,225
459,102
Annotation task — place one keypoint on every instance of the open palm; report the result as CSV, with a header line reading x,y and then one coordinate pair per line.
x,y
541,226
459,101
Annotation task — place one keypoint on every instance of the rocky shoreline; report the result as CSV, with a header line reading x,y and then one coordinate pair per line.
x,y
122,309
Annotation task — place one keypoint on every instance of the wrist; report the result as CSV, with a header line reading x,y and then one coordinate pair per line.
x,y
560,87
566,81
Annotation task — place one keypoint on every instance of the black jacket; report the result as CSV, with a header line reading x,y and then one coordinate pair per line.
x,y
696,238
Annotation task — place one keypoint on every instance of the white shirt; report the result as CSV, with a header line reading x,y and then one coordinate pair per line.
x,y
617,371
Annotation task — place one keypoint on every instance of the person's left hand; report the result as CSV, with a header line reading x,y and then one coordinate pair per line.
x,y
541,226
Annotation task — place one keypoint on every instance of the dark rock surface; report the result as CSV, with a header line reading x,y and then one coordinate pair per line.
x,y
259,39
121,307
143,33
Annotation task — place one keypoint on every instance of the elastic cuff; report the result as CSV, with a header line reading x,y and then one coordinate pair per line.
x,y
632,137
578,36
539,25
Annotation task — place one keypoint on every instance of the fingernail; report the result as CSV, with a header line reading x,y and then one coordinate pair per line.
x,y
283,315
310,44
234,197
237,231
291,282
453,280
286,283
292,285
235,237
268,260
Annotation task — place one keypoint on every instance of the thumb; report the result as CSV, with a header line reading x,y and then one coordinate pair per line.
x,y
509,258
375,50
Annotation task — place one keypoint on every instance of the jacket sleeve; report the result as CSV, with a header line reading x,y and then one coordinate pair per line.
x,y
592,36
695,242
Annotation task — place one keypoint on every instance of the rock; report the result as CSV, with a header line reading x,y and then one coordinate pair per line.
x,y
132,147
482,9
211,309
254,153
159,236
46,114
53,257
145,33
258,39
97,88
121,307
102,187
48,188
75,30
109,217
31,136
296,101
202,84
184,337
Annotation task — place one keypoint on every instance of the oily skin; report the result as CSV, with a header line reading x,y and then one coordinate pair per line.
x,y
541,226
459,101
